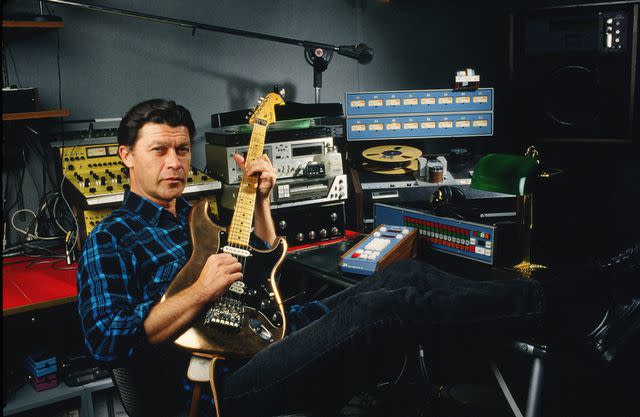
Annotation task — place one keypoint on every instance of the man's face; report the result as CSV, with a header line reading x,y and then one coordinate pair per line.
x,y
159,162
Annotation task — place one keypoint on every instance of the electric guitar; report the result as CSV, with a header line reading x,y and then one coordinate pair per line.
x,y
249,315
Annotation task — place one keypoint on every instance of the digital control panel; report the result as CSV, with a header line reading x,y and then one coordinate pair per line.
x,y
457,237
386,244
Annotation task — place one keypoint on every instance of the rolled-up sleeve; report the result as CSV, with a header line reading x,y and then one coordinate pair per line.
x,y
111,311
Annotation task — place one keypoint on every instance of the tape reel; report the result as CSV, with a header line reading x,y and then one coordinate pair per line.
x,y
391,159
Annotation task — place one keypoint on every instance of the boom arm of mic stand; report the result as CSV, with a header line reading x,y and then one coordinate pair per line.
x,y
316,53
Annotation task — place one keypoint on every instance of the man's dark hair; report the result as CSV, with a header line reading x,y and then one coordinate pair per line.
x,y
156,110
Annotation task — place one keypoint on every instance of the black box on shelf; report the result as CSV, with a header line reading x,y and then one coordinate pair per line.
x,y
20,100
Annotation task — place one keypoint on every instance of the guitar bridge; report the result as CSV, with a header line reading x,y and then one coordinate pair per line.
x,y
227,312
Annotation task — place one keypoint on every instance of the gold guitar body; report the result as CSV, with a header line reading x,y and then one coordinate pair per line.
x,y
239,325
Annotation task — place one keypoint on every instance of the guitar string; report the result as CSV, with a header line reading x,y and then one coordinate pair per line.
x,y
243,262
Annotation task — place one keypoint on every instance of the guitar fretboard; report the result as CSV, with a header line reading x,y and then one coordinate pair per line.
x,y
240,227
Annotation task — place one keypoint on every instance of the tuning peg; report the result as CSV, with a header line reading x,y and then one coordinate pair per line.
x,y
282,92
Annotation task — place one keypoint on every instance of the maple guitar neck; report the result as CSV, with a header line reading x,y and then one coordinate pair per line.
x,y
240,227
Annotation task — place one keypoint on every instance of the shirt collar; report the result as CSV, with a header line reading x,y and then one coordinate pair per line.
x,y
152,212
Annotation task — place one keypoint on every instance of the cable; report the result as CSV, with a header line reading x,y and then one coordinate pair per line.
x,y
27,233
15,69
77,227
423,366
59,71
42,209
61,192
24,232
404,365
19,191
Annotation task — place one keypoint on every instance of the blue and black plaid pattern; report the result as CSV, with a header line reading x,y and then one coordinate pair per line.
x,y
127,263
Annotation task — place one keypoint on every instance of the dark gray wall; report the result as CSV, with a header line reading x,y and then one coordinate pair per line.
x,y
110,62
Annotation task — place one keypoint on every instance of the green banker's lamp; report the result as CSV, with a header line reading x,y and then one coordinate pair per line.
x,y
516,175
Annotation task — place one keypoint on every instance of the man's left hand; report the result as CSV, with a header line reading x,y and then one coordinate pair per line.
x,y
263,169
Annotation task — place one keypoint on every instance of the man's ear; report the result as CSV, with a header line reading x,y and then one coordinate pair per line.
x,y
125,154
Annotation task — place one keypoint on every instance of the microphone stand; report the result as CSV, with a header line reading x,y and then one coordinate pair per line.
x,y
317,54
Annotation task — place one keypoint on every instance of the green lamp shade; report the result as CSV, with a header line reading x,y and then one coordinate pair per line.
x,y
503,173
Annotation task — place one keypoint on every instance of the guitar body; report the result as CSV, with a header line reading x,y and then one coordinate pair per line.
x,y
243,321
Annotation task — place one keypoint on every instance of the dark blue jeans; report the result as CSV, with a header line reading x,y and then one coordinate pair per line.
x,y
362,339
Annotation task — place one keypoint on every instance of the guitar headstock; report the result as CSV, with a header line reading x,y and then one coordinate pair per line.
x,y
264,114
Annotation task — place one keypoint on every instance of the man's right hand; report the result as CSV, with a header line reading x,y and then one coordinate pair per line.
x,y
219,272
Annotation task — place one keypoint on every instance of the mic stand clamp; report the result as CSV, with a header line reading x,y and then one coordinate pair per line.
x,y
319,59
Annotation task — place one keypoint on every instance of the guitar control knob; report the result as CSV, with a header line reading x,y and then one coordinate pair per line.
x,y
334,231
277,319
312,235
323,233
299,237
282,224
333,217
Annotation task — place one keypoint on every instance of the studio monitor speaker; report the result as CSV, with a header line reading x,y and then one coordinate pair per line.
x,y
574,72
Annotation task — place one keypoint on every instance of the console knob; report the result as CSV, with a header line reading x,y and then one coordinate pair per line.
x,y
312,235
323,233
333,217
282,224
299,237
334,231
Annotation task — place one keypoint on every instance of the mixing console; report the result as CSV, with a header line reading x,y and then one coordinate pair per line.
x,y
95,176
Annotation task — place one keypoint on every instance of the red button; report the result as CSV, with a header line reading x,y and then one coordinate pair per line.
x,y
355,255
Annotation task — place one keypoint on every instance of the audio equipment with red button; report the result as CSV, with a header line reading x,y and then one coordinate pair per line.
x,y
385,245
477,241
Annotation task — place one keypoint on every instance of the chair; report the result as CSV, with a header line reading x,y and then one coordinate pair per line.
x,y
125,382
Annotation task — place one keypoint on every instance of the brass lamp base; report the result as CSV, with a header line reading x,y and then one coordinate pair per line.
x,y
527,268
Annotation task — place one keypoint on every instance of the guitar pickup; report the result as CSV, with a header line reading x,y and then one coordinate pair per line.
x,y
236,251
